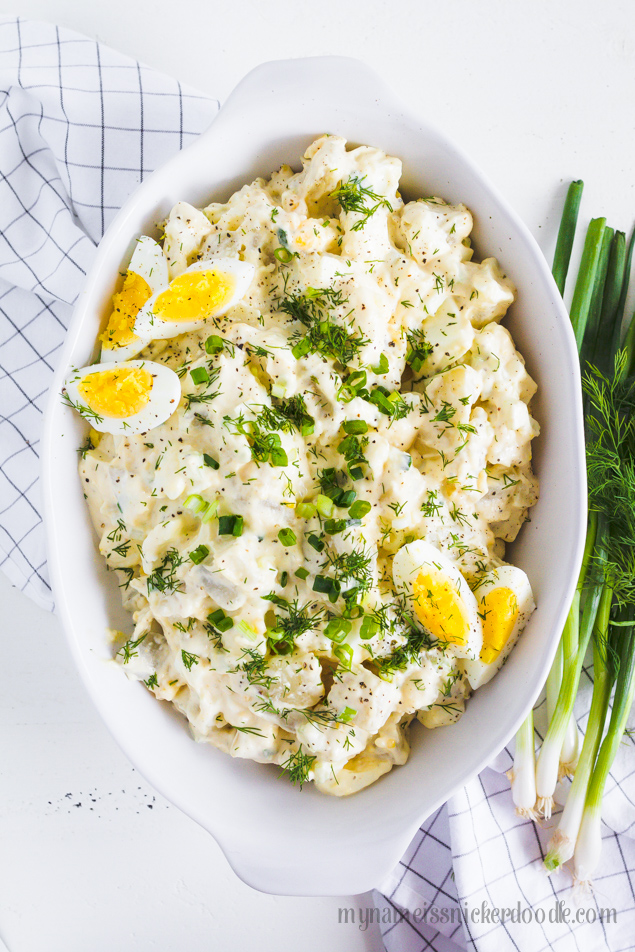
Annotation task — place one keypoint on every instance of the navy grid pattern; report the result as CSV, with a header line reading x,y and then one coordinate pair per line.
x,y
475,850
80,127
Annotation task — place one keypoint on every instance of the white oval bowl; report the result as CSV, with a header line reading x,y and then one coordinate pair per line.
x,y
277,838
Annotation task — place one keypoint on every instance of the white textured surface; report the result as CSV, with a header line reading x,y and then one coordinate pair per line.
x,y
537,94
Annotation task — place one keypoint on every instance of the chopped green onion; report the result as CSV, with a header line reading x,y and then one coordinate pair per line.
x,y
382,367
345,498
355,427
337,629
321,583
283,255
200,552
302,348
344,654
359,509
278,456
287,537
284,578
230,525
247,630
210,461
347,714
211,511
220,620
352,386
324,505
199,375
195,503
304,510
334,526
317,543
370,627
214,344
381,401
302,573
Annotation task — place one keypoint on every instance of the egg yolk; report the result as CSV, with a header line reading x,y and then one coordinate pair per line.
x,y
439,607
194,296
120,392
499,610
126,304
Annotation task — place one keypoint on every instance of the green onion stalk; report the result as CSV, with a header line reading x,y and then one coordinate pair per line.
x,y
523,774
589,842
563,841
557,757
606,581
524,759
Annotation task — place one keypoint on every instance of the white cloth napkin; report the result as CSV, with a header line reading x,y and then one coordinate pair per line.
x,y
80,127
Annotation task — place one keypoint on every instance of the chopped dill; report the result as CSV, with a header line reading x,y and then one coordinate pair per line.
x,y
164,579
298,766
354,196
189,659
129,650
313,309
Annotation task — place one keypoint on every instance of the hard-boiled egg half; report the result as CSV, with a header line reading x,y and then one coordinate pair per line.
x,y
439,596
127,397
206,289
147,273
505,602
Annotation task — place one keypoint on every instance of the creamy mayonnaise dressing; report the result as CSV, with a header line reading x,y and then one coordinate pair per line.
x,y
353,291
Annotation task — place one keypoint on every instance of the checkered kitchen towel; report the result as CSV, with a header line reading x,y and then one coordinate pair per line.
x,y
80,127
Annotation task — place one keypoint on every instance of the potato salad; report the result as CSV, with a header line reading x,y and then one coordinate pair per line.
x,y
310,440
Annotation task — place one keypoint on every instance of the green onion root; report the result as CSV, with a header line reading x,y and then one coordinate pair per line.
x,y
523,774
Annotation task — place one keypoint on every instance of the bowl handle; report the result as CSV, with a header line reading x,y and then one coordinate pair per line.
x,y
330,80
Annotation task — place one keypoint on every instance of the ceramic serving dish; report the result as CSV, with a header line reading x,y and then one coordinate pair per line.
x,y
277,838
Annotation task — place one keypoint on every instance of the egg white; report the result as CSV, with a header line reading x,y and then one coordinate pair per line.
x,y
151,326
416,557
149,262
510,577
164,398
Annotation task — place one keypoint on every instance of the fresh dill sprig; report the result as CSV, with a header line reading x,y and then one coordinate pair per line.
x,y
266,447
205,396
419,349
164,578
86,447
295,621
189,659
287,415
352,566
354,196
254,667
432,505
314,309
117,532
610,454
82,409
129,650
298,766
